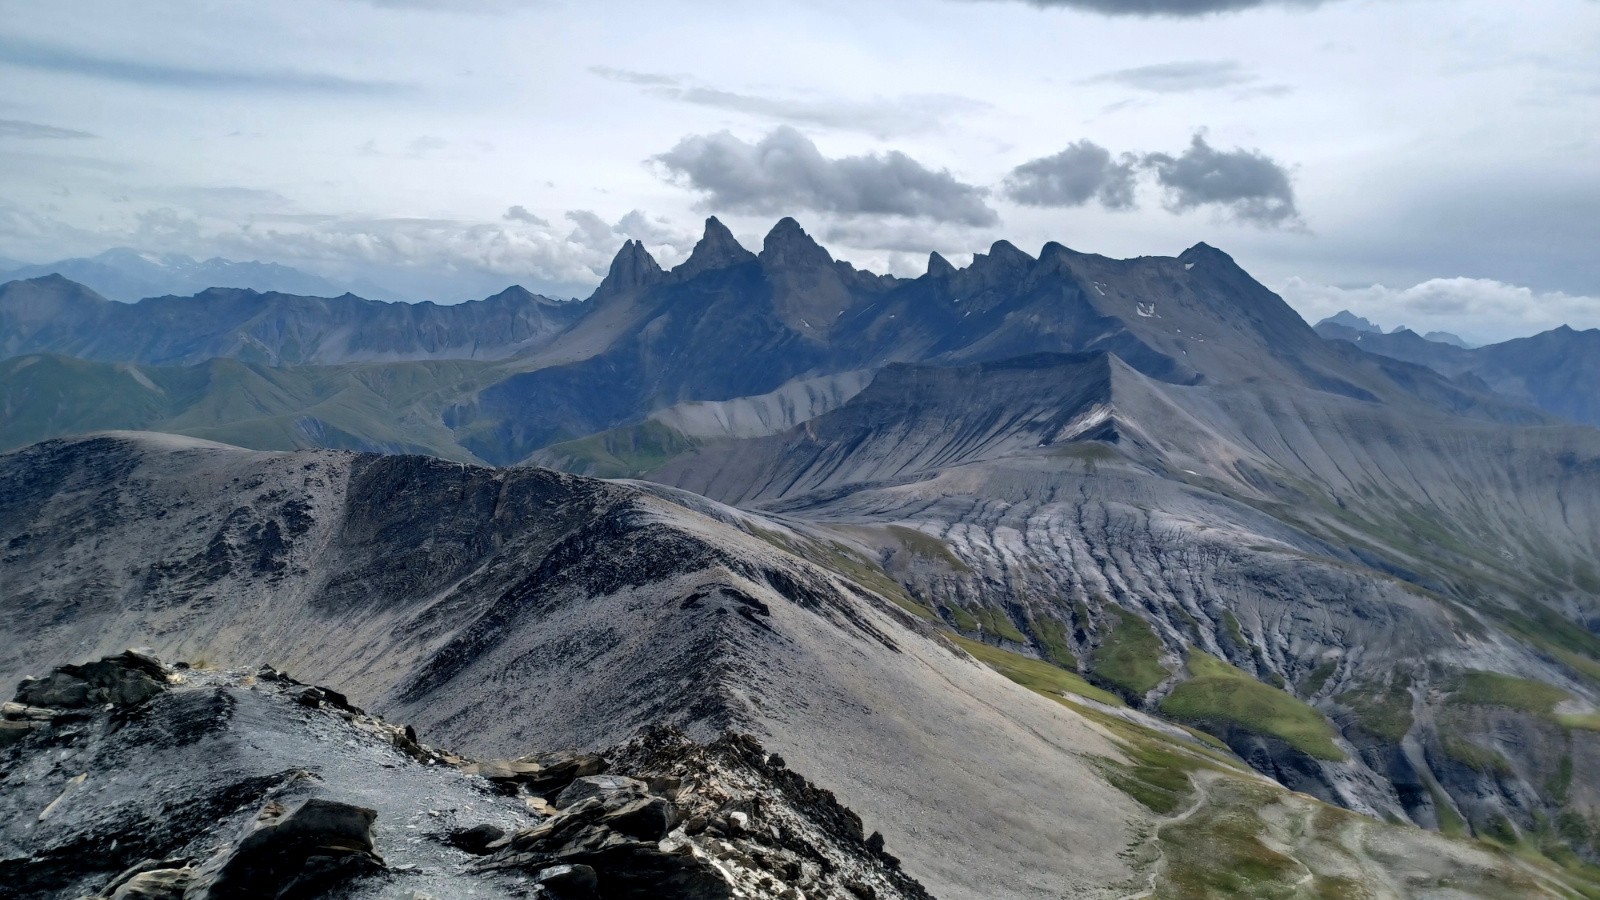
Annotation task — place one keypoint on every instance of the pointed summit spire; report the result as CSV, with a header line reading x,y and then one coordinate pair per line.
x,y
939,267
717,249
788,244
633,267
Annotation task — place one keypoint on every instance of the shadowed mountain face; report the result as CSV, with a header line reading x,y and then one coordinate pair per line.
x,y
53,315
725,324
728,324
1555,370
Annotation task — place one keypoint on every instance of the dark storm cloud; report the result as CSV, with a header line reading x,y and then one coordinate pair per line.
x,y
1083,172
1169,8
880,117
12,128
1177,77
785,172
1249,185
56,58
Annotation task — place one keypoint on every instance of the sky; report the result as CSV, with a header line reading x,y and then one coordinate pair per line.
x,y
1432,163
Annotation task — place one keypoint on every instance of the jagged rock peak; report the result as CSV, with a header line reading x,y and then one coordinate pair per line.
x,y
939,267
1003,261
633,267
1204,251
1052,249
717,249
1005,251
788,243
515,295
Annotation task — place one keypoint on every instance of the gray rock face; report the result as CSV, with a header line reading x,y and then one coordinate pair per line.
x,y
1282,531
286,852
185,795
415,583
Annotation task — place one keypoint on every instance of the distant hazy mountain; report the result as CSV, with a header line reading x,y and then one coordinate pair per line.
x,y
126,275
1445,337
52,314
1352,321
1556,370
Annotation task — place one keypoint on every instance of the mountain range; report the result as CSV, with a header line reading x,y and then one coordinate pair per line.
x,y
1169,593
1554,370
127,275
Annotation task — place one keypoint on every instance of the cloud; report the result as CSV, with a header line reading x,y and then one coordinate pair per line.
x,y
1084,171
784,172
445,259
881,117
1247,184
12,128
1168,8
1480,309
56,58
521,214
1177,77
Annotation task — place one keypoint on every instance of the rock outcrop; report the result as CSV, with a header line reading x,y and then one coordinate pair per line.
x,y
200,785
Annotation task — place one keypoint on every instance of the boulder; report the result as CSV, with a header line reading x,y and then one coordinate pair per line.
x,y
300,852
475,840
544,774
14,732
603,787
151,879
646,818
156,884
127,679
577,882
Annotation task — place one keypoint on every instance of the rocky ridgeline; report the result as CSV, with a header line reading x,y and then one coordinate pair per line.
x,y
128,779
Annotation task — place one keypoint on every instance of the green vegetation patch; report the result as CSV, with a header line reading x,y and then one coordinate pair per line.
x,y
1383,712
1495,689
926,546
1054,644
1034,674
1156,777
1219,852
1130,656
1547,629
1234,631
1319,676
1479,759
623,452
1222,694
963,619
997,623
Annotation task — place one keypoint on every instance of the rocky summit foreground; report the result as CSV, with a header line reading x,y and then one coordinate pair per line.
x,y
130,780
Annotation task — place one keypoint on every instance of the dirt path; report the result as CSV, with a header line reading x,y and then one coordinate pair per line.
x,y
1202,794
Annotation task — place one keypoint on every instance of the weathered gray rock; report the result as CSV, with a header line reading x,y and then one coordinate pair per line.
x,y
155,884
293,852
129,678
569,881
477,838
604,787
647,818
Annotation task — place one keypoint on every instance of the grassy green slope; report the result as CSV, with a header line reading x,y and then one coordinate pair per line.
x,y
1220,695
393,407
